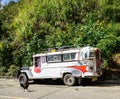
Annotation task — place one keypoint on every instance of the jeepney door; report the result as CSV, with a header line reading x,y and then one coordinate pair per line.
x,y
37,64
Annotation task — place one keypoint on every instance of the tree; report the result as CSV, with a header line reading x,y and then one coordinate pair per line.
x,y
29,26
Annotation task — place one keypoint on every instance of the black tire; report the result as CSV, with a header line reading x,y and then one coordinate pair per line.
x,y
23,79
69,80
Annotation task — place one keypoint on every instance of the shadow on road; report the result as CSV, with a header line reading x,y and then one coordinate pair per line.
x,y
101,84
59,82
48,82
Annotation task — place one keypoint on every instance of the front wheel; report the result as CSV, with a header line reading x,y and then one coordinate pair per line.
x,y
69,80
23,79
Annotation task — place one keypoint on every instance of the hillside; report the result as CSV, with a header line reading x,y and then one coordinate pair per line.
x,y
30,26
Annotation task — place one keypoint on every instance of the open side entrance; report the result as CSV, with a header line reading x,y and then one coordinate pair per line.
x,y
37,65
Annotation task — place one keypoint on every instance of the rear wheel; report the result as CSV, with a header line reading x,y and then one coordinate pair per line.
x,y
69,80
23,79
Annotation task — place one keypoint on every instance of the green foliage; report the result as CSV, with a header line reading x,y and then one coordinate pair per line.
x,y
48,23
12,71
29,26
91,33
5,54
3,70
105,64
111,9
108,45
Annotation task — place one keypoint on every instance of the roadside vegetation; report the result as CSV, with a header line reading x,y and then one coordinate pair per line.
x,y
30,26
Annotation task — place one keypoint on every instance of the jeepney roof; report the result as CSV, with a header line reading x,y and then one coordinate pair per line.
x,y
58,52
70,50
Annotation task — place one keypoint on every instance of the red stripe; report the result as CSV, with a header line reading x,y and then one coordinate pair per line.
x,y
81,68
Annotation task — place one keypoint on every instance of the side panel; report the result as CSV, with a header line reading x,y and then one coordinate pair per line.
x,y
73,71
56,70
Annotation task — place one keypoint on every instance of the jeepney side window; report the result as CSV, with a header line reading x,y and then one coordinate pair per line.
x,y
43,59
57,58
73,56
54,58
66,57
49,58
69,56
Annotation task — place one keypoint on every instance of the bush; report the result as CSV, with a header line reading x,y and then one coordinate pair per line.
x,y
3,70
105,64
13,71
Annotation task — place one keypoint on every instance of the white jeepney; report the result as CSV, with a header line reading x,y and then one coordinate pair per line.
x,y
69,64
